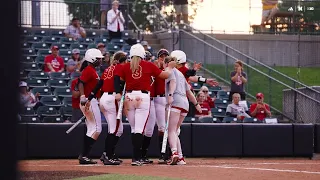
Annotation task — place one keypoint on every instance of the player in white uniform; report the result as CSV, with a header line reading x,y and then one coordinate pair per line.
x,y
178,92
88,102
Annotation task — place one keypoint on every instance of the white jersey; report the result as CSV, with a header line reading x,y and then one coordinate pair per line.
x,y
179,95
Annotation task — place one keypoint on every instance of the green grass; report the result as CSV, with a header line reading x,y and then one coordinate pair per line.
x,y
123,177
271,89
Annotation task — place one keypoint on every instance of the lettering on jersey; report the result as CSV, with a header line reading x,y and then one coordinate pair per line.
x,y
108,73
97,78
137,73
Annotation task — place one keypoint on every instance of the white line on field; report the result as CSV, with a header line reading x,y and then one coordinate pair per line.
x,y
259,169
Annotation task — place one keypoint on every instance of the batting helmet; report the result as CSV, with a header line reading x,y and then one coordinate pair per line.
x,y
148,56
180,55
92,55
137,50
162,51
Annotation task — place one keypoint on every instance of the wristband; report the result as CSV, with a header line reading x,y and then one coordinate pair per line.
x,y
201,79
169,94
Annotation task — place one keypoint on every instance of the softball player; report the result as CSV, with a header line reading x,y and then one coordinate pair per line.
x,y
137,75
160,103
109,106
177,92
88,103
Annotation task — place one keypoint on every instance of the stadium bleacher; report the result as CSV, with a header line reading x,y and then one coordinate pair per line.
x,y
54,88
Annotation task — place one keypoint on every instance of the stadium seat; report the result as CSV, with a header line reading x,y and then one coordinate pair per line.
x,y
25,45
33,83
126,47
43,91
65,58
52,120
191,120
105,34
38,75
82,52
47,111
28,51
214,89
54,83
229,120
32,39
40,60
86,41
251,120
113,48
118,42
44,52
30,119
25,32
78,46
50,40
93,34
66,40
27,59
218,113
66,111
40,33
222,104
28,112
51,101
60,45
196,85
59,75
75,75
91,46
30,67
209,120
63,92
67,101
224,95
125,35
65,52
57,33
39,45
101,40
23,75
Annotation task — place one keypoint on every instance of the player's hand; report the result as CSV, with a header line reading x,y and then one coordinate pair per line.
x,y
87,106
198,108
170,100
172,64
197,66
83,100
118,97
239,71
37,95
212,82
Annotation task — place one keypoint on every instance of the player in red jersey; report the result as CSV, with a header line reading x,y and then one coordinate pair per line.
x,y
137,75
76,111
88,103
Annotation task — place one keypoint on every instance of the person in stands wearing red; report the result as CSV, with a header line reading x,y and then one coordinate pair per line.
x,y
208,99
260,110
206,110
53,62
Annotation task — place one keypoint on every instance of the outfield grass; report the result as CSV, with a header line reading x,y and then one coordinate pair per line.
x,y
123,177
271,89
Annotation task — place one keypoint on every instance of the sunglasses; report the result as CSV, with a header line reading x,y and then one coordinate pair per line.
x,y
205,91
259,97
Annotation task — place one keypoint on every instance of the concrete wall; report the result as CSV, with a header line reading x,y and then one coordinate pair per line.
x,y
279,50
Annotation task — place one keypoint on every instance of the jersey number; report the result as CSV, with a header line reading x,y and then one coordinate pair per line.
x,y
137,73
108,74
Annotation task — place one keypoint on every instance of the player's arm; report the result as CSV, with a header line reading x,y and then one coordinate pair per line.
x,y
192,98
190,72
200,79
95,90
75,91
165,74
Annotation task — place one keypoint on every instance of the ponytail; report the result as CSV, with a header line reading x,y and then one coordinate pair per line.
x,y
83,65
134,63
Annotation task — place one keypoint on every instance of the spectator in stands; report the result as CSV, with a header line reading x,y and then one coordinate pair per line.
x,y
53,62
115,21
269,9
102,48
104,6
73,64
208,99
235,109
28,99
105,62
238,79
75,31
145,45
260,110
181,7
206,110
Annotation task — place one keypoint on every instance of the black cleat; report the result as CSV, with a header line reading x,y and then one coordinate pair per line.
x,y
136,163
85,160
116,158
162,160
146,161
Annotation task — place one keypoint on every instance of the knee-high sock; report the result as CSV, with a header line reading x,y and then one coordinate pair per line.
x,y
160,140
172,130
179,148
145,146
109,143
87,145
137,141
116,140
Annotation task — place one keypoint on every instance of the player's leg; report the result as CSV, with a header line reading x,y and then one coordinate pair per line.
x,y
148,132
172,134
181,160
160,109
108,108
93,122
142,106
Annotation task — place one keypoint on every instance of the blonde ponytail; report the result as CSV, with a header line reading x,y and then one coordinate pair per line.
x,y
134,63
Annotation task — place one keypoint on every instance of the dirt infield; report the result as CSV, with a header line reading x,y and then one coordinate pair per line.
x,y
200,169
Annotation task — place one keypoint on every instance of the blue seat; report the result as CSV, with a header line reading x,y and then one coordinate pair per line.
x,y
51,101
38,75
220,103
32,39
44,52
30,67
54,83
218,113
27,59
67,101
59,75
60,45
25,45
91,46
85,41
32,83
50,40
52,119
65,52
78,46
28,112
230,120
113,48
66,40
101,40
28,51
118,42
30,119
46,111
251,120
191,120
66,111
23,75
63,92
93,34
43,91
41,32
40,60
57,33
39,45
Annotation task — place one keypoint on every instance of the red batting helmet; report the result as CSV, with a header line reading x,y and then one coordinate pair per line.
x,y
162,51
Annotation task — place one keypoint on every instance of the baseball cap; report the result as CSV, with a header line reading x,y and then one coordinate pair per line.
x,y
100,44
75,51
260,95
144,43
23,84
54,47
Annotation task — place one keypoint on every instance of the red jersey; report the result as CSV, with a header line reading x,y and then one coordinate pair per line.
x,y
140,79
75,101
210,102
108,78
159,86
153,88
90,79
261,114
205,109
184,70
57,63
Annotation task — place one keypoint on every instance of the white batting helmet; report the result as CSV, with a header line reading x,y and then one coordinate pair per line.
x,y
92,55
180,55
137,50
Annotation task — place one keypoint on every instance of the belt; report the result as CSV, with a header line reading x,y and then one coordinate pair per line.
x,y
143,91
161,95
151,98
110,93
